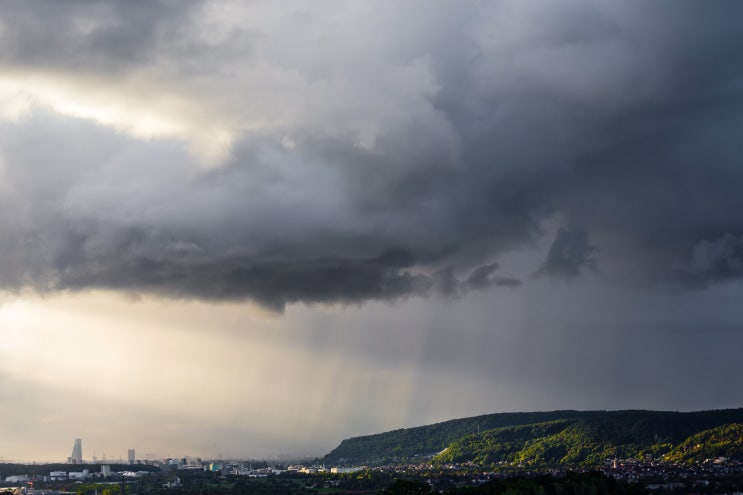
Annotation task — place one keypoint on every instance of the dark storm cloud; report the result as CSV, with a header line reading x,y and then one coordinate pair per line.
x,y
375,168
507,282
716,259
272,283
482,276
570,253
445,282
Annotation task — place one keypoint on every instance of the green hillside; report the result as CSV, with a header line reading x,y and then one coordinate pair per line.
x,y
722,441
557,437
421,441
589,440
499,445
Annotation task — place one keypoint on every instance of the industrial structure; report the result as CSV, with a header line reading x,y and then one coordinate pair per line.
x,y
77,453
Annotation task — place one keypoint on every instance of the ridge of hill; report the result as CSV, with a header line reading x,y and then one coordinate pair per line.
x,y
422,441
555,437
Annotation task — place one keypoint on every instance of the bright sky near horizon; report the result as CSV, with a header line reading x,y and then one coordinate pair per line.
x,y
248,229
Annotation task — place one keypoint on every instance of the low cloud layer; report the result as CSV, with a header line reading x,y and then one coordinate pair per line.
x,y
342,153
570,254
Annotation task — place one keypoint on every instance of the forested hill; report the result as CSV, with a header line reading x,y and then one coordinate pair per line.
x,y
409,443
548,437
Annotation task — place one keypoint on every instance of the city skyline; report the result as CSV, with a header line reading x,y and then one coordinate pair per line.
x,y
252,229
76,456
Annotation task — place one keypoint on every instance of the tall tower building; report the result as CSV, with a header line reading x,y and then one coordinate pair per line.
x,y
131,456
77,452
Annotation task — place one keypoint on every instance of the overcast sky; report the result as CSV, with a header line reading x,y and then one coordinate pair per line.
x,y
256,228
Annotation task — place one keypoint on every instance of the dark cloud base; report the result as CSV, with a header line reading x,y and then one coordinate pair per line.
x,y
392,275
622,118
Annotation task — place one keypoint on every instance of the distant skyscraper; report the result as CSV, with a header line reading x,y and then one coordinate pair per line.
x,y
131,456
77,452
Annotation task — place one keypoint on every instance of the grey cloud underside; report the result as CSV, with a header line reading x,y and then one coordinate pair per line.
x,y
271,283
91,35
135,259
716,260
489,122
570,253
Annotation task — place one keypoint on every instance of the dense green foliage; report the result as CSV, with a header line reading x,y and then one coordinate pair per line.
x,y
622,434
558,437
722,441
571,484
407,487
498,445
370,482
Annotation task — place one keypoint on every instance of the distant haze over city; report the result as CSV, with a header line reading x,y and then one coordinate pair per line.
x,y
254,229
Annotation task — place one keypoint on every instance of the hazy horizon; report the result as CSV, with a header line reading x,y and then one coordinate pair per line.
x,y
251,229
101,458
